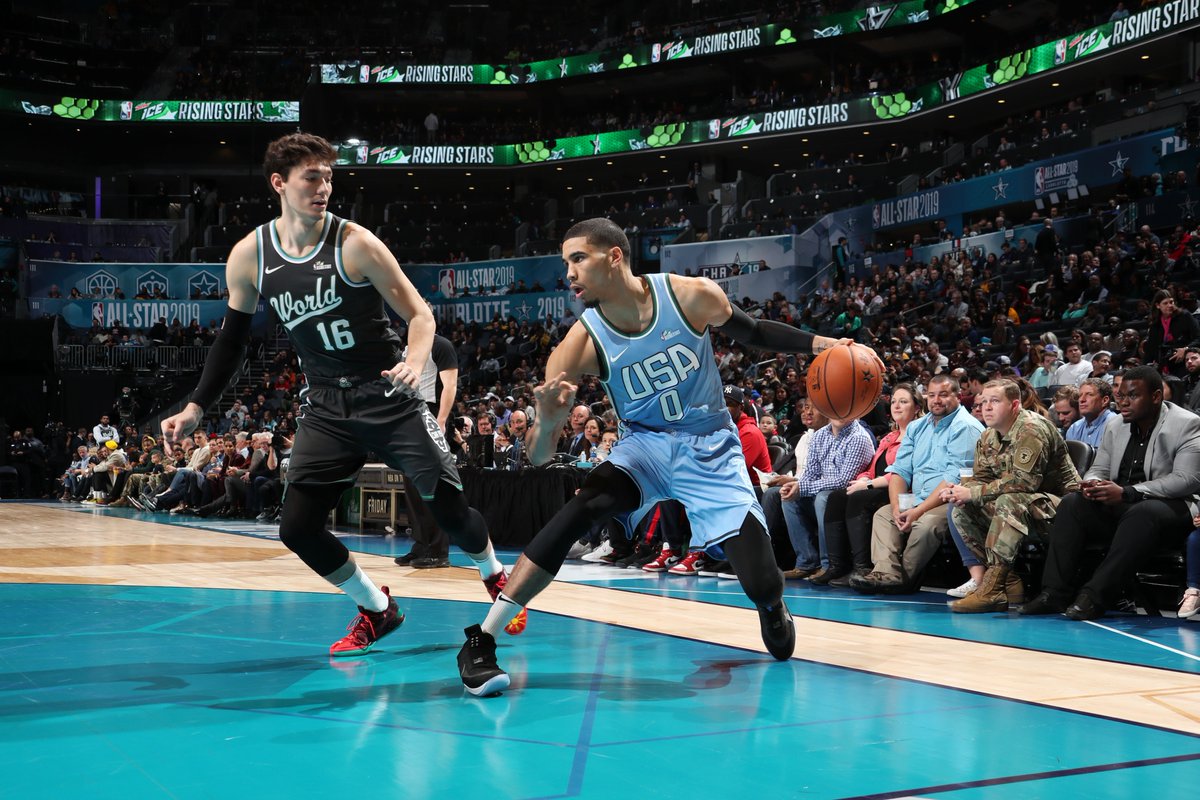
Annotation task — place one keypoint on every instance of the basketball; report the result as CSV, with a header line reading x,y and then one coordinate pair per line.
x,y
844,381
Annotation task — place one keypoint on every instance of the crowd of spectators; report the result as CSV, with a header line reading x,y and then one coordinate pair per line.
x,y
1068,342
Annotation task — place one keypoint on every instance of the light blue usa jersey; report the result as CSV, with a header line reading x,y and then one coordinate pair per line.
x,y
664,378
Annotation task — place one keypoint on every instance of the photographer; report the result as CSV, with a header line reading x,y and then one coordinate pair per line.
x,y
269,486
126,407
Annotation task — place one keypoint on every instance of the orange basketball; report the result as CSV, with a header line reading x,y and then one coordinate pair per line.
x,y
844,381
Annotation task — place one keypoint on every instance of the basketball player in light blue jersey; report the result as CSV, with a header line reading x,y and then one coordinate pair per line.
x,y
647,339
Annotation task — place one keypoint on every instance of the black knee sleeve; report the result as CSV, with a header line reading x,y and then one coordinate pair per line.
x,y
463,525
607,491
753,561
302,527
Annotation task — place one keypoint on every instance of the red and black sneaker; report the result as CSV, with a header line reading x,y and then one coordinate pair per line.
x,y
368,628
495,585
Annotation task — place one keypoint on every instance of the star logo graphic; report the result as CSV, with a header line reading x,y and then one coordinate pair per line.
x,y
1001,189
596,145
1118,164
204,283
523,310
562,68
1188,208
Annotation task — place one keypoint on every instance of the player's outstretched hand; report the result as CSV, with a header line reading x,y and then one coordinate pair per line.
x,y
555,393
878,360
178,427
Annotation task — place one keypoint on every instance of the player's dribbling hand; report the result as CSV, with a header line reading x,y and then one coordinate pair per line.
x,y
556,392
178,427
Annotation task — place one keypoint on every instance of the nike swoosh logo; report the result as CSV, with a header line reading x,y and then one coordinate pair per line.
x,y
268,271
613,358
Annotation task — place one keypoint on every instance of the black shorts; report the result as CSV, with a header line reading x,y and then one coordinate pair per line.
x,y
336,428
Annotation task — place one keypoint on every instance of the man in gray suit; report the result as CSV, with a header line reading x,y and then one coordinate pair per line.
x,y
1141,490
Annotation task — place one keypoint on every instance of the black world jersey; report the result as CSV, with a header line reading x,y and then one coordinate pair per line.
x,y
337,326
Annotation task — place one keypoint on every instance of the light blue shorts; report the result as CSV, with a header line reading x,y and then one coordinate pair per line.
x,y
705,472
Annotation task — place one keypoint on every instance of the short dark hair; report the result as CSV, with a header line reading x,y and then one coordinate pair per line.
x,y
600,232
943,377
295,149
1147,375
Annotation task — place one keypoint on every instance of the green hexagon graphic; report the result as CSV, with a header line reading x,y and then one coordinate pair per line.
x,y
786,37
627,62
664,135
499,77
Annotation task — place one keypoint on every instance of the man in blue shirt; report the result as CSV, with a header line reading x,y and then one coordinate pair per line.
x,y
935,450
1095,396
839,451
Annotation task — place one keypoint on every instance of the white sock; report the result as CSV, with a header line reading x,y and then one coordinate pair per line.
x,y
363,591
487,562
502,611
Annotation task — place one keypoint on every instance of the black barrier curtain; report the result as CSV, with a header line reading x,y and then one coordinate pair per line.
x,y
517,504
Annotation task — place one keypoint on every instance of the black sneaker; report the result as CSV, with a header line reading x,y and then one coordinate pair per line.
x,y
644,558
712,569
405,559
778,631
477,667
642,554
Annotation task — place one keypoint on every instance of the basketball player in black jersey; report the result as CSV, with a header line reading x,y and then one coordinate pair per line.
x,y
327,280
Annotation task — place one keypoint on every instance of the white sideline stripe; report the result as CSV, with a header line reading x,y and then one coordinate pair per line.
x,y
1144,640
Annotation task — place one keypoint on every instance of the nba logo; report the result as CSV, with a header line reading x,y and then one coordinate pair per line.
x,y
656,53
362,153
446,282
714,129
1060,51
1039,180
126,109
98,314
364,73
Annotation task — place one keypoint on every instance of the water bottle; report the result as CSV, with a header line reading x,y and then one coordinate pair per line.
x,y
594,455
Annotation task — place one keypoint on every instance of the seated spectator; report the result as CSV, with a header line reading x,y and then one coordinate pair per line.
x,y
1140,492
1093,402
934,451
839,452
1171,330
1101,364
106,474
770,430
1066,407
1189,605
1021,471
772,504
849,510
1075,371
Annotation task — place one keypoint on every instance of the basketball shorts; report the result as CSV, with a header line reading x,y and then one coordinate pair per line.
x,y
705,472
336,428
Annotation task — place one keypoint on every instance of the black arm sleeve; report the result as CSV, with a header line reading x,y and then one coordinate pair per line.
x,y
224,358
765,334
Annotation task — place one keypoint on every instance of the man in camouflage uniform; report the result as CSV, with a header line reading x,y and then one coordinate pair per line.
x,y
1022,470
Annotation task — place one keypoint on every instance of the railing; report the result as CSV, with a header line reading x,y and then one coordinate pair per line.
x,y
155,358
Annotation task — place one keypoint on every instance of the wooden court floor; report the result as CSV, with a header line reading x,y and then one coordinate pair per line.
x,y
147,656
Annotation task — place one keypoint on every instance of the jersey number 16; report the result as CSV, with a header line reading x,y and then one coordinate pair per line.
x,y
338,337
